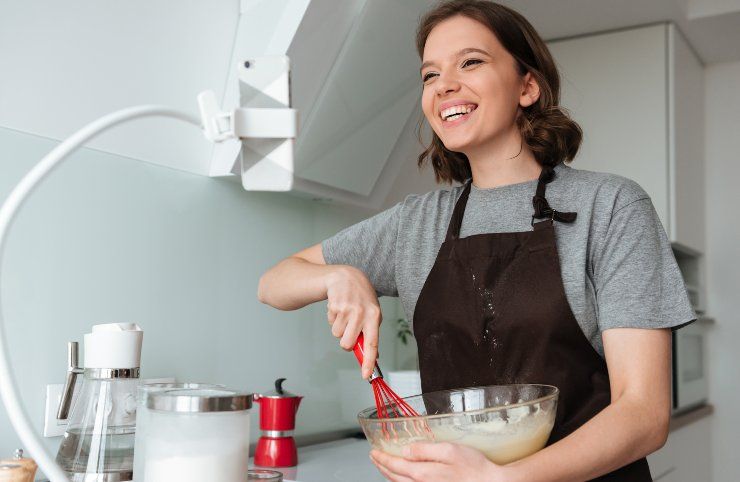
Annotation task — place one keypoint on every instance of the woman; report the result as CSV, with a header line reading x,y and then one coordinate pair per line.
x,y
529,272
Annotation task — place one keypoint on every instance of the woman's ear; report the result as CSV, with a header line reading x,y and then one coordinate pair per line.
x,y
530,90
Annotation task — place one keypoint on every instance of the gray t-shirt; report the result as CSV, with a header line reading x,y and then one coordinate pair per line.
x,y
616,261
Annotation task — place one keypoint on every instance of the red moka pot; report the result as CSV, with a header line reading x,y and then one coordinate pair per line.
x,y
276,447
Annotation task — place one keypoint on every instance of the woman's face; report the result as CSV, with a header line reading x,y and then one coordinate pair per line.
x,y
484,81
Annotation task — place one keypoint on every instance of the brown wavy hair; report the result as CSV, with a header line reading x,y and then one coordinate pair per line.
x,y
545,126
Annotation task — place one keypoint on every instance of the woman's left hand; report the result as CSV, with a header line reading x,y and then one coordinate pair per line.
x,y
438,461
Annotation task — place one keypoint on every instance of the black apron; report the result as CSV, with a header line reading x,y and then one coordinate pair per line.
x,y
493,311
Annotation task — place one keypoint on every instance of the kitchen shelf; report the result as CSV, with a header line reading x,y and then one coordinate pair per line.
x,y
680,420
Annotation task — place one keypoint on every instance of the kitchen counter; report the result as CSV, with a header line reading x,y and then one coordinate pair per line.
x,y
345,460
682,419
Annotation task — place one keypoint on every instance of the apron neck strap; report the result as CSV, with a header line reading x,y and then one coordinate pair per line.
x,y
453,230
542,208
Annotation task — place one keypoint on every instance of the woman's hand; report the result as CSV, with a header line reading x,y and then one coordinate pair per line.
x,y
438,462
353,308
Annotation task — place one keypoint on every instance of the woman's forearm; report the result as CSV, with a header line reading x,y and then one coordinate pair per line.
x,y
294,283
620,434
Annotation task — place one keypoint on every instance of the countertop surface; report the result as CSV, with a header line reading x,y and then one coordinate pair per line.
x,y
345,460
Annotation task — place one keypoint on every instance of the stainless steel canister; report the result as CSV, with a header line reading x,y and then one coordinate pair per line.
x,y
142,417
197,434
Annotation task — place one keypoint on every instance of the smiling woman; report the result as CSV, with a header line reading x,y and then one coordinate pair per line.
x,y
583,299
501,56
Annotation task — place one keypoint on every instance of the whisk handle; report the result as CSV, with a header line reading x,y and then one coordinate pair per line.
x,y
359,350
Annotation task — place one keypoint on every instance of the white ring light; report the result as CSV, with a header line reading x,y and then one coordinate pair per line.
x,y
8,389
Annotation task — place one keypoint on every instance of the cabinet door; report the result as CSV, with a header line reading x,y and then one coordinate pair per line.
x,y
686,457
663,462
686,115
695,451
615,86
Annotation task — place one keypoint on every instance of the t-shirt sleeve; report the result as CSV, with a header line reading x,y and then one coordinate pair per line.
x,y
637,281
369,246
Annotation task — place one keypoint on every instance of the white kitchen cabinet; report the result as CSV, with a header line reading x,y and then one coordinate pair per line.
x,y
686,457
638,95
356,86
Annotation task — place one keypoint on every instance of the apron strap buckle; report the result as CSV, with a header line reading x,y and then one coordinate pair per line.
x,y
554,215
545,213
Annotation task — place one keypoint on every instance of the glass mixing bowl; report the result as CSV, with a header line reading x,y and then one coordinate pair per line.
x,y
505,422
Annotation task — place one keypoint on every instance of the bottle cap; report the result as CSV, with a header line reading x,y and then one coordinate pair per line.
x,y
114,345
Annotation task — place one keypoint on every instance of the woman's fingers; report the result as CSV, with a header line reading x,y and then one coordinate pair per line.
x,y
391,476
432,452
351,332
353,308
377,457
340,323
347,323
404,469
371,348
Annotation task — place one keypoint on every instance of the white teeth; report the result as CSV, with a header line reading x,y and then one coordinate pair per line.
x,y
458,109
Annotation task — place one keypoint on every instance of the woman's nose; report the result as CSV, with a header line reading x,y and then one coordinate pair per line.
x,y
447,83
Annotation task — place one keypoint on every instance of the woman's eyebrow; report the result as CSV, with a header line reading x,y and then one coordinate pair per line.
x,y
464,51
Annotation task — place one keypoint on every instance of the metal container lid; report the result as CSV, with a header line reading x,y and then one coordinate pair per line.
x,y
145,390
198,400
265,475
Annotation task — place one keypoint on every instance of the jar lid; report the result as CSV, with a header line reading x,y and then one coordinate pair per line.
x,y
197,400
145,390
264,474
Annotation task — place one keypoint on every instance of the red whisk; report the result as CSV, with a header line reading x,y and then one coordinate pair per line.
x,y
385,397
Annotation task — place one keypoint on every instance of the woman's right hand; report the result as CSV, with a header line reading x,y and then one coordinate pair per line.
x,y
353,307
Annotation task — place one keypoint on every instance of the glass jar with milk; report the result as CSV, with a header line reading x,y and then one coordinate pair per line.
x,y
197,434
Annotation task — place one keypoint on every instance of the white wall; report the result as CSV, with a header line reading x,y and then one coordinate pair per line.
x,y
723,262
107,239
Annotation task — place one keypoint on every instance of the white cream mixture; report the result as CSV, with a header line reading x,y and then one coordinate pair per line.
x,y
500,441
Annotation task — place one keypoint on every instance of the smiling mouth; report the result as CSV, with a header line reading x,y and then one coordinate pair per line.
x,y
457,112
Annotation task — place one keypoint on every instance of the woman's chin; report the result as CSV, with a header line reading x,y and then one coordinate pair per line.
x,y
456,145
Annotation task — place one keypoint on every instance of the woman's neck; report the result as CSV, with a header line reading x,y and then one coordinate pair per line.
x,y
497,164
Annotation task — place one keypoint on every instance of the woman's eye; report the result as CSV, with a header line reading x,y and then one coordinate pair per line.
x,y
465,64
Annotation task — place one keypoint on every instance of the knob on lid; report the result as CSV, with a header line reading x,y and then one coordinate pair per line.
x,y
279,392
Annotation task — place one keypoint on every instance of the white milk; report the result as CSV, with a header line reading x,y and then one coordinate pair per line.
x,y
230,467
